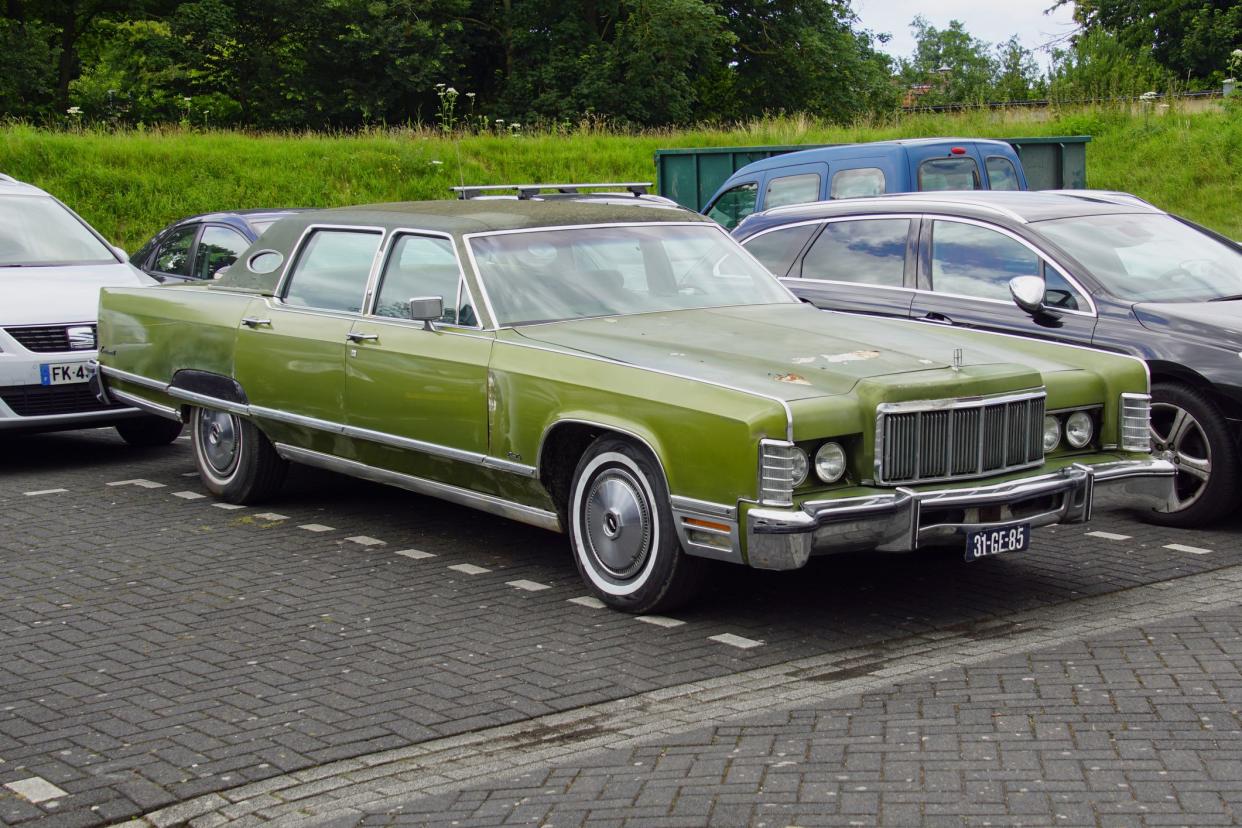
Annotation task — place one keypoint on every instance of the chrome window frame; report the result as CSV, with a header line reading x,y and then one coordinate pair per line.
x,y
386,248
299,248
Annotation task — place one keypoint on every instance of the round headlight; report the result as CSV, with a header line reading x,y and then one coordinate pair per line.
x,y
830,462
800,466
1052,433
1079,429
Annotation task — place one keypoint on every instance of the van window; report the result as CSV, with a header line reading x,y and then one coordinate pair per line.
x,y
735,204
792,189
958,173
777,249
1001,174
864,181
869,251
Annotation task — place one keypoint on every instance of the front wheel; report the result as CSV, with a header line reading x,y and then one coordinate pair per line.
x,y
235,460
621,529
1188,428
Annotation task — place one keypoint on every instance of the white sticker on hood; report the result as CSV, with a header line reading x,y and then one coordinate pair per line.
x,y
852,356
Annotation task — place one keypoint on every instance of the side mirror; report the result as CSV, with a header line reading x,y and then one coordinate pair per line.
x,y
1028,293
427,309
120,251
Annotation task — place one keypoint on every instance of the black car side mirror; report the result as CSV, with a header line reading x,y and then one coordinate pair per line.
x,y
427,309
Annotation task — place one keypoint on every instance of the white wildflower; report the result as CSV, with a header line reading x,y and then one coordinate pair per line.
x,y
74,110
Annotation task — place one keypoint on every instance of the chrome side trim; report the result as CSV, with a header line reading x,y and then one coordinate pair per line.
x,y
146,405
136,379
454,494
703,507
205,400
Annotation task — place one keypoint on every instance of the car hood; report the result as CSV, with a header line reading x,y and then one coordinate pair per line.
x,y
1209,323
67,293
789,351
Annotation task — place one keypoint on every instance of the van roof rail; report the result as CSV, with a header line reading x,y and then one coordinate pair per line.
x,y
529,191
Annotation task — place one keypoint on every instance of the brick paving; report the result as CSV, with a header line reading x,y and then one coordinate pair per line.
x,y
155,649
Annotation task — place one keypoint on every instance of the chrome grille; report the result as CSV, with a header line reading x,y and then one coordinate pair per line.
x,y
945,439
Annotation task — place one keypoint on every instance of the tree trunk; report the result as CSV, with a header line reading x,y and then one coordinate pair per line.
x,y
68,53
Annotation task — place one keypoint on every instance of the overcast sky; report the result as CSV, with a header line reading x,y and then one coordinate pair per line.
x,y
990,20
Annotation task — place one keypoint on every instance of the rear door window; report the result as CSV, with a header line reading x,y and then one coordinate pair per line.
x,y
867,251
777,249
958,173
973,261
173,255
735,204
217,249
331,271
864,181
792,189
1001,174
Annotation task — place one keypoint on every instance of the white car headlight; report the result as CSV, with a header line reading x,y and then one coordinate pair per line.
x,y
1052,433
830,462
1079,429
800,466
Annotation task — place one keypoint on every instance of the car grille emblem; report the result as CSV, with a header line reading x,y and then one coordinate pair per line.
x,y
81,337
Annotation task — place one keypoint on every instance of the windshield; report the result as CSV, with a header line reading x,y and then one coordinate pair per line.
x,y
574,273
1150,258
37,230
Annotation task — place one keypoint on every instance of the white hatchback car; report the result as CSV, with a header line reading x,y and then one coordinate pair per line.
x,y
52,265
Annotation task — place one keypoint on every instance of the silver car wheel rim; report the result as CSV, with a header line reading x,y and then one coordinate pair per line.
x,y
1181,437
218,440
617,520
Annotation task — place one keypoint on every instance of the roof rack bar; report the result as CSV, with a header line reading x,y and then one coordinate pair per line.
x,y
528,191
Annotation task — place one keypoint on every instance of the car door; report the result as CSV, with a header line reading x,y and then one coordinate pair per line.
x,y
862,264
964,268
173,259
415,387
290,351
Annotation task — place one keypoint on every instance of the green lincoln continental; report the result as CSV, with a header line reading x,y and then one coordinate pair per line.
x,y
625,373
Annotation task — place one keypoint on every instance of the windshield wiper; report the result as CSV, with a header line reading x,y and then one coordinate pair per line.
x,y
1232,298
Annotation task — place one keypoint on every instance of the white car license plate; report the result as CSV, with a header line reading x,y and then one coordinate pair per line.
x,y
64,373
982,543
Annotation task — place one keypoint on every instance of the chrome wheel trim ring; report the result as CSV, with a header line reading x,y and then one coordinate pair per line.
x,y
617,523
591,567
1175,432
217,439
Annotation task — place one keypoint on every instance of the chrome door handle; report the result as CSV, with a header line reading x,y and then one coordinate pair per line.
x,y
937,319
254,322
361,337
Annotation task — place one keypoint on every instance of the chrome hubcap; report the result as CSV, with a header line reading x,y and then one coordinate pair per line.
x,y
217,440
1181,438
617,520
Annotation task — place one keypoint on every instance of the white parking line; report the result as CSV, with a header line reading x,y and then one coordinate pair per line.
x,y
363,540
315,527
146,484
529,586
587,601
189,495
468,569
271,516
735,641
43,492
228,506
659,620
1109,536
35,789
414,554
189,474
1194,550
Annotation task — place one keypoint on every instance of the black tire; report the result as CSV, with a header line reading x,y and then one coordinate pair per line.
x,y
235,460
618,486
149,431
1187,426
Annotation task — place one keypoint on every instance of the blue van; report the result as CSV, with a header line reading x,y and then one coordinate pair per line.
x,y
851,170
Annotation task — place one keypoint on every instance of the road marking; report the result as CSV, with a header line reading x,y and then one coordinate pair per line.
x,y
414,554
587,601
44,491
315,527
1194,550
1108,535
189,495
659,620
468,569
146,484
189,474
228,506
735,641
35,789
529,586
363,540
271,516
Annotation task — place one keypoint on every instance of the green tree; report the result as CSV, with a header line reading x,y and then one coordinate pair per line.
x,y
27,68
1097,66
956,66
1017,73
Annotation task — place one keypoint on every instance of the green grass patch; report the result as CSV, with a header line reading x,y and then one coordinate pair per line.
x,y
130,184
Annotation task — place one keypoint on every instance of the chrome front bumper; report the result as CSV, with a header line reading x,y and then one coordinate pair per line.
x,y
902,520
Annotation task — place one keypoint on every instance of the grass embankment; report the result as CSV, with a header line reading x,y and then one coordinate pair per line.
x,y
130,184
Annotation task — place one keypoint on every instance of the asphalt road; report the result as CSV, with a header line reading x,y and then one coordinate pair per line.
x,y
353,653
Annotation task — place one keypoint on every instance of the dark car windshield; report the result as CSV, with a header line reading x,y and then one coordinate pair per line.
x,y
39,231
614,270
1149,258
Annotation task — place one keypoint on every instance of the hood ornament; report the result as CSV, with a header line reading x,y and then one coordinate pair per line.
x,y
957,359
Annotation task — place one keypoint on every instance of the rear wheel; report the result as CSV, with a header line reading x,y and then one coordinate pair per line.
x,y
235,460
621,529
149,431
1188,427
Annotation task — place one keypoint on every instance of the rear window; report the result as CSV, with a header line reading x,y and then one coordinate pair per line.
x,y
866,251
865,181
949,174
777,249
792,189
1001,174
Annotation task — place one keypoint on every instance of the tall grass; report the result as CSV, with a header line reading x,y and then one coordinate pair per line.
x,y
130,184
